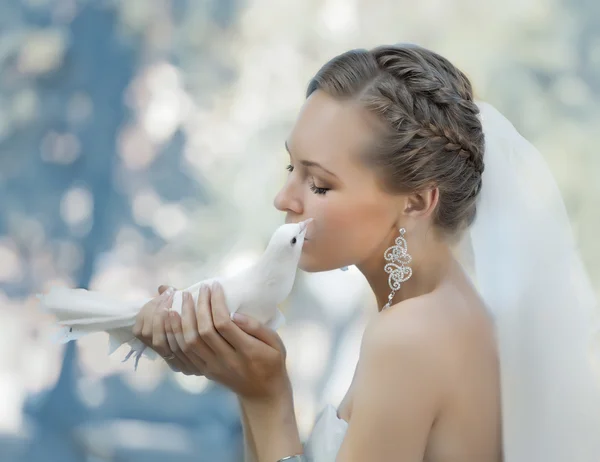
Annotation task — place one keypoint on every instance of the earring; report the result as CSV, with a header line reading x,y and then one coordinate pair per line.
x,y
398,257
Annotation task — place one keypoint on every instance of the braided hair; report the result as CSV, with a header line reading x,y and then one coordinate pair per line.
x,y
431,134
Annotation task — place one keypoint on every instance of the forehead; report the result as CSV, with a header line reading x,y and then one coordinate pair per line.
x,y
331,131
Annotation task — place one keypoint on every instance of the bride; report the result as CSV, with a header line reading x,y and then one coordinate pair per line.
x,y
481,350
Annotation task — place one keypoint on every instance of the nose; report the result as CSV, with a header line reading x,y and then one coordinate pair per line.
x,y
287,201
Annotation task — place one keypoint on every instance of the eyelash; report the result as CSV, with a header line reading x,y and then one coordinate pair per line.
x,y
316,190
313,188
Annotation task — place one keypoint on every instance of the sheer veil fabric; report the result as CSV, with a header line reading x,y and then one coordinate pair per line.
x,y
529,272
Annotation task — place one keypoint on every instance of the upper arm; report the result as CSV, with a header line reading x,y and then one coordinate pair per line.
x,y
397,394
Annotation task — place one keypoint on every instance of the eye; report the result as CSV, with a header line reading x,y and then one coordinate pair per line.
x,y
316,189
290,168
293,241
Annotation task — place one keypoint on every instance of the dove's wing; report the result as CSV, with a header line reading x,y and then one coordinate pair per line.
x,y
251,293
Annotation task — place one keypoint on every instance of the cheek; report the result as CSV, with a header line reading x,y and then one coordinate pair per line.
x,y
347,231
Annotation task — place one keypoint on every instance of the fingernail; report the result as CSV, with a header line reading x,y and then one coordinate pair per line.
x,y
237,317
169,290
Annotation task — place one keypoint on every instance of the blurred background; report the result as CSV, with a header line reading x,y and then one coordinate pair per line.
x,y
142,143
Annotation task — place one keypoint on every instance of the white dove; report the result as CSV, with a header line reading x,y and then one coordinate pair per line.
x,y
255,291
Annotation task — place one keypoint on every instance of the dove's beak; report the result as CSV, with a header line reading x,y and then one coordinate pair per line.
x,y
304,224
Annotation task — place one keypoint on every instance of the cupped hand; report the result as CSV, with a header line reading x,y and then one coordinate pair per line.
x,y
150,328
239,352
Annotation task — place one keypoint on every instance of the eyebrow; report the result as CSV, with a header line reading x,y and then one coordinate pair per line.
x,y
310,163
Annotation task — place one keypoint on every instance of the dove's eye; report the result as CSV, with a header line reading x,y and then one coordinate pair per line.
x,y
293,241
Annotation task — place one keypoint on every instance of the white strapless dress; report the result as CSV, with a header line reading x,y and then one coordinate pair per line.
x,y
326,437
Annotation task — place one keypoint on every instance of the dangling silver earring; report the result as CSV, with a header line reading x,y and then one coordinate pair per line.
x,y
398,257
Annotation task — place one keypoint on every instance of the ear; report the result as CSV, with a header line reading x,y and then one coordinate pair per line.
x,y
421,203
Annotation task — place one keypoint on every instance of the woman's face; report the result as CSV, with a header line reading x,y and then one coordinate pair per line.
x,y
352,215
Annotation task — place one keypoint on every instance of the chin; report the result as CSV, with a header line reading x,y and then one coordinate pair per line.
x,y
308,268
312,265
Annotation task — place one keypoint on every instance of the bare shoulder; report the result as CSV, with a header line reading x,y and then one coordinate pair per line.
x,y
398,388
435,327
412,362
405,337
414,322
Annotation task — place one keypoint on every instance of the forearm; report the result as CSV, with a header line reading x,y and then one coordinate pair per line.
x,y
249,445
272,427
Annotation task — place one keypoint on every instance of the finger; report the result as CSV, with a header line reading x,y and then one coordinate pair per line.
x,y
235,336
206,328
193,361
147,315
189,325
175,364
163,287
177,327
159,336
163,348
139,324
140,317
180,359
258,330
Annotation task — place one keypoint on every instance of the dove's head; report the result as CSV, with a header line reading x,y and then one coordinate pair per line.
x,y
287,241
285,248
278,265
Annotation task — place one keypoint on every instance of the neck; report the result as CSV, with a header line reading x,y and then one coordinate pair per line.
x,y
431,259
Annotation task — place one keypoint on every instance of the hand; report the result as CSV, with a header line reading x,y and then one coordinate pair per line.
x,y
149,328
151,319
241,354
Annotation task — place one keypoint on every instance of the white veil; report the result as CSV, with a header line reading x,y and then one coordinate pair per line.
x,y
529,273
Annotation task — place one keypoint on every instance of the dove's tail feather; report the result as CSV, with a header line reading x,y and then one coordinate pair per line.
x,y
80,312
66,334
81,306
